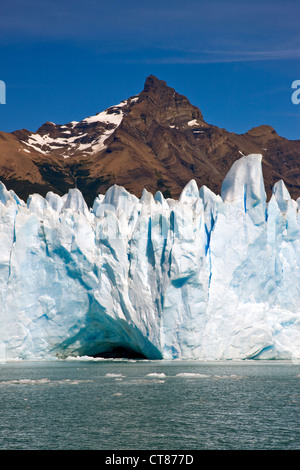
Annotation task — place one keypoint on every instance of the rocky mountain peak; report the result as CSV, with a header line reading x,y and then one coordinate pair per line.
x,y
166,105
152,84
155,139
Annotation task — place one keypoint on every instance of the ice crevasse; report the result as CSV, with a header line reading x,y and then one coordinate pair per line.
x,y
207,277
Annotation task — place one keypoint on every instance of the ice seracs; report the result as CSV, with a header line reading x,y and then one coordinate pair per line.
x,y
244,187
207,277
189,191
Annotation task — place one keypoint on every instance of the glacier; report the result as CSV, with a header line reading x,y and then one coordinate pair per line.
x,y
204,277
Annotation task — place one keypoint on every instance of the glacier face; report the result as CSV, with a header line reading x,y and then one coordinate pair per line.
x,y
206,277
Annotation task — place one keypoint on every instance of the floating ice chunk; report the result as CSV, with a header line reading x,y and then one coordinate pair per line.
x,y
25,382
111,374
160,375
192,375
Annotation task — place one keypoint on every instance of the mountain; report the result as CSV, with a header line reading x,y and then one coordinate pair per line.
x,y
155,140
204,277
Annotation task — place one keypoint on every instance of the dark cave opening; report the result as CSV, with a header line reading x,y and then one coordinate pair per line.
x,y
120,352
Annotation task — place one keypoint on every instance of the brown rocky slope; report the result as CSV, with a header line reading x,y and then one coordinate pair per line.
x,y
155,140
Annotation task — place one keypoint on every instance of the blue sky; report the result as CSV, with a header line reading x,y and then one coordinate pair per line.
x,y
235,60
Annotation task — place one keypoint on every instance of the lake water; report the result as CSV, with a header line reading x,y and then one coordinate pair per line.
x,y
151,405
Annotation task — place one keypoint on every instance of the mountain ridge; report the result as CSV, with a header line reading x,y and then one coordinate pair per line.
x,y
156,140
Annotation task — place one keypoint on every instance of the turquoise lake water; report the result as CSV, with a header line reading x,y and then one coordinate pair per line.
x,y
151,405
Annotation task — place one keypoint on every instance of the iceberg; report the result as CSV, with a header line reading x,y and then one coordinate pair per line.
x,y
204,277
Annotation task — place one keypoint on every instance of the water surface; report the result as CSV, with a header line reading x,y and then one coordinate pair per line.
x,y
151,405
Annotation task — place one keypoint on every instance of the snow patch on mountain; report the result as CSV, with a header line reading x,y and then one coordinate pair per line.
x,y
193,122
75,136
111,116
